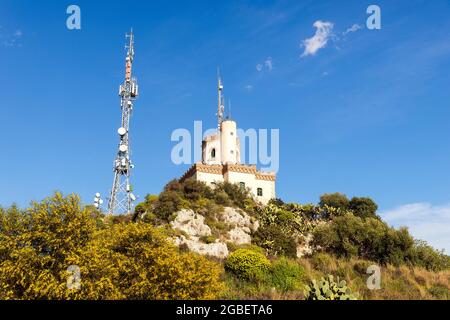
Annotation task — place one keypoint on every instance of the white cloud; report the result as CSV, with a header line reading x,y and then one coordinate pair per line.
x,y
353,28
324,31
11,40
268,63
425,221
248,87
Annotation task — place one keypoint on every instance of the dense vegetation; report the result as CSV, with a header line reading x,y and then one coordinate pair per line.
x,y
116,260
194,195
122,259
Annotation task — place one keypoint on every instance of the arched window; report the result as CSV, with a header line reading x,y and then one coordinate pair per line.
x,y
242,185
213,153
259,192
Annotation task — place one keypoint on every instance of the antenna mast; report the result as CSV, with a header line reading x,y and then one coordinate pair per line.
x,y
221,104
121,198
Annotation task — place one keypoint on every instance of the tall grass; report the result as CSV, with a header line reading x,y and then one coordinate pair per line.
x,y
397,283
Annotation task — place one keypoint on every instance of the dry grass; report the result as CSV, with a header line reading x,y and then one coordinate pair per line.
x,y
397,283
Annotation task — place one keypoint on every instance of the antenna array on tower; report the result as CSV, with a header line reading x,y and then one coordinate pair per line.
x,y
121,198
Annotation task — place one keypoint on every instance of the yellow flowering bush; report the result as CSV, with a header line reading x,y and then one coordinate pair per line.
x,y
116,261
248,264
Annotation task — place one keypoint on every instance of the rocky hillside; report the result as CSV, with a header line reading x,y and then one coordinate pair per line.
x,y
225,223
196,242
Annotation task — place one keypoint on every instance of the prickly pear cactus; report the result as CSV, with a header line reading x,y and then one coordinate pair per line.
x,y
328,289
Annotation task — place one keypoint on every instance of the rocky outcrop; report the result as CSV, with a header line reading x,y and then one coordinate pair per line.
x,y
239,219
191,223
305,247
242,225
193,227
239,236
217,249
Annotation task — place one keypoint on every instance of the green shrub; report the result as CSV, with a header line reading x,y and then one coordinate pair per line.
x,y
252,247
194,190
167,204
323,262
248,264
370,239
328,289
425,256
361,266
177,195
276,241
239,196
363,207
440,292
232,246
151,218
287,275
335,200
221,197
207,239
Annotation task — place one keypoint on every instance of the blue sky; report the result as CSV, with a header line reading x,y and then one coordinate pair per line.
x,y
367,114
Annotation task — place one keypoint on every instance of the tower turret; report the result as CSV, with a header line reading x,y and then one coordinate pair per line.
x,y
229,142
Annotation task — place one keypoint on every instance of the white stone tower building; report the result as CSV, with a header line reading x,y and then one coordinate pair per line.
x,y
221,160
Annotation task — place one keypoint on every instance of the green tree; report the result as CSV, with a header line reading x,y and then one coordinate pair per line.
x,y
335,200
370,238
363,207
276,241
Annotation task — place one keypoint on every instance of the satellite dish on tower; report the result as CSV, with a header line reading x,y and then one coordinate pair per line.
x,y
121,131
123,148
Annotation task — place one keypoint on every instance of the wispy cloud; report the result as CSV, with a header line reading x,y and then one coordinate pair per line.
x,y
424,220
324,30
353,28
11,40
248,87
266,65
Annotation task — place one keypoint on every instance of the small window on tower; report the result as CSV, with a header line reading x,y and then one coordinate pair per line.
x,y
242,185
213,153
232,151
232,133
259,192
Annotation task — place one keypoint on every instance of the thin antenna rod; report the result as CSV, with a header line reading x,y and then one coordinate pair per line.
x,y
130,56
220,104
